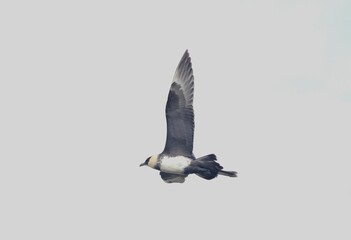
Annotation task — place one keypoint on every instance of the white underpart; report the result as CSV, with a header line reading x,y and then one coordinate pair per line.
x,y
174,164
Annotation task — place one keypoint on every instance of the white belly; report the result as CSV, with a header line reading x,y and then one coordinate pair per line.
x,y
174,164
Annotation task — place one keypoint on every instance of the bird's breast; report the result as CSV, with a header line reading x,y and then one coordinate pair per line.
x,y
174,164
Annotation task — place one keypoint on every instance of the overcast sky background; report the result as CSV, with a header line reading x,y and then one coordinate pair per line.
x,y
82,96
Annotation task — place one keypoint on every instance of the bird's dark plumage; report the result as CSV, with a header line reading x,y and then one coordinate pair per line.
x,y
207,167
180,112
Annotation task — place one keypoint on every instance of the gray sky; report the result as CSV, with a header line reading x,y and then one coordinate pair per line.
x,y
82,96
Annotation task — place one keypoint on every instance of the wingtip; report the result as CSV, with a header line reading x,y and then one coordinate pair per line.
x,y
183,61
186,53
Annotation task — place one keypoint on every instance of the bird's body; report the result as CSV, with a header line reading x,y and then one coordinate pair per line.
x,y
177,160
174,165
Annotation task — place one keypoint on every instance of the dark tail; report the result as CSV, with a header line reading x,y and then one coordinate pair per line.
x,y
228,173
207,168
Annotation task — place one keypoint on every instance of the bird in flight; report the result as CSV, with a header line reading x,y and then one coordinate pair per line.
x,y
177,160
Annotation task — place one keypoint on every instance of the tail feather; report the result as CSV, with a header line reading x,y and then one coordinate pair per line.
x,y
228,173
207,168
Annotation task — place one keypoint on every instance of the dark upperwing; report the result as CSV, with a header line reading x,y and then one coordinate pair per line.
x,y
180,112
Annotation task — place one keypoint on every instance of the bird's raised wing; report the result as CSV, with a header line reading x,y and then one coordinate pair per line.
x,y
180,112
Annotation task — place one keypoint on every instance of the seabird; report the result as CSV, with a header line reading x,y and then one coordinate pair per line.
x,y
177,160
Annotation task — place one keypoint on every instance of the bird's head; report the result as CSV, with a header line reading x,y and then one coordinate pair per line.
x,y
150,161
